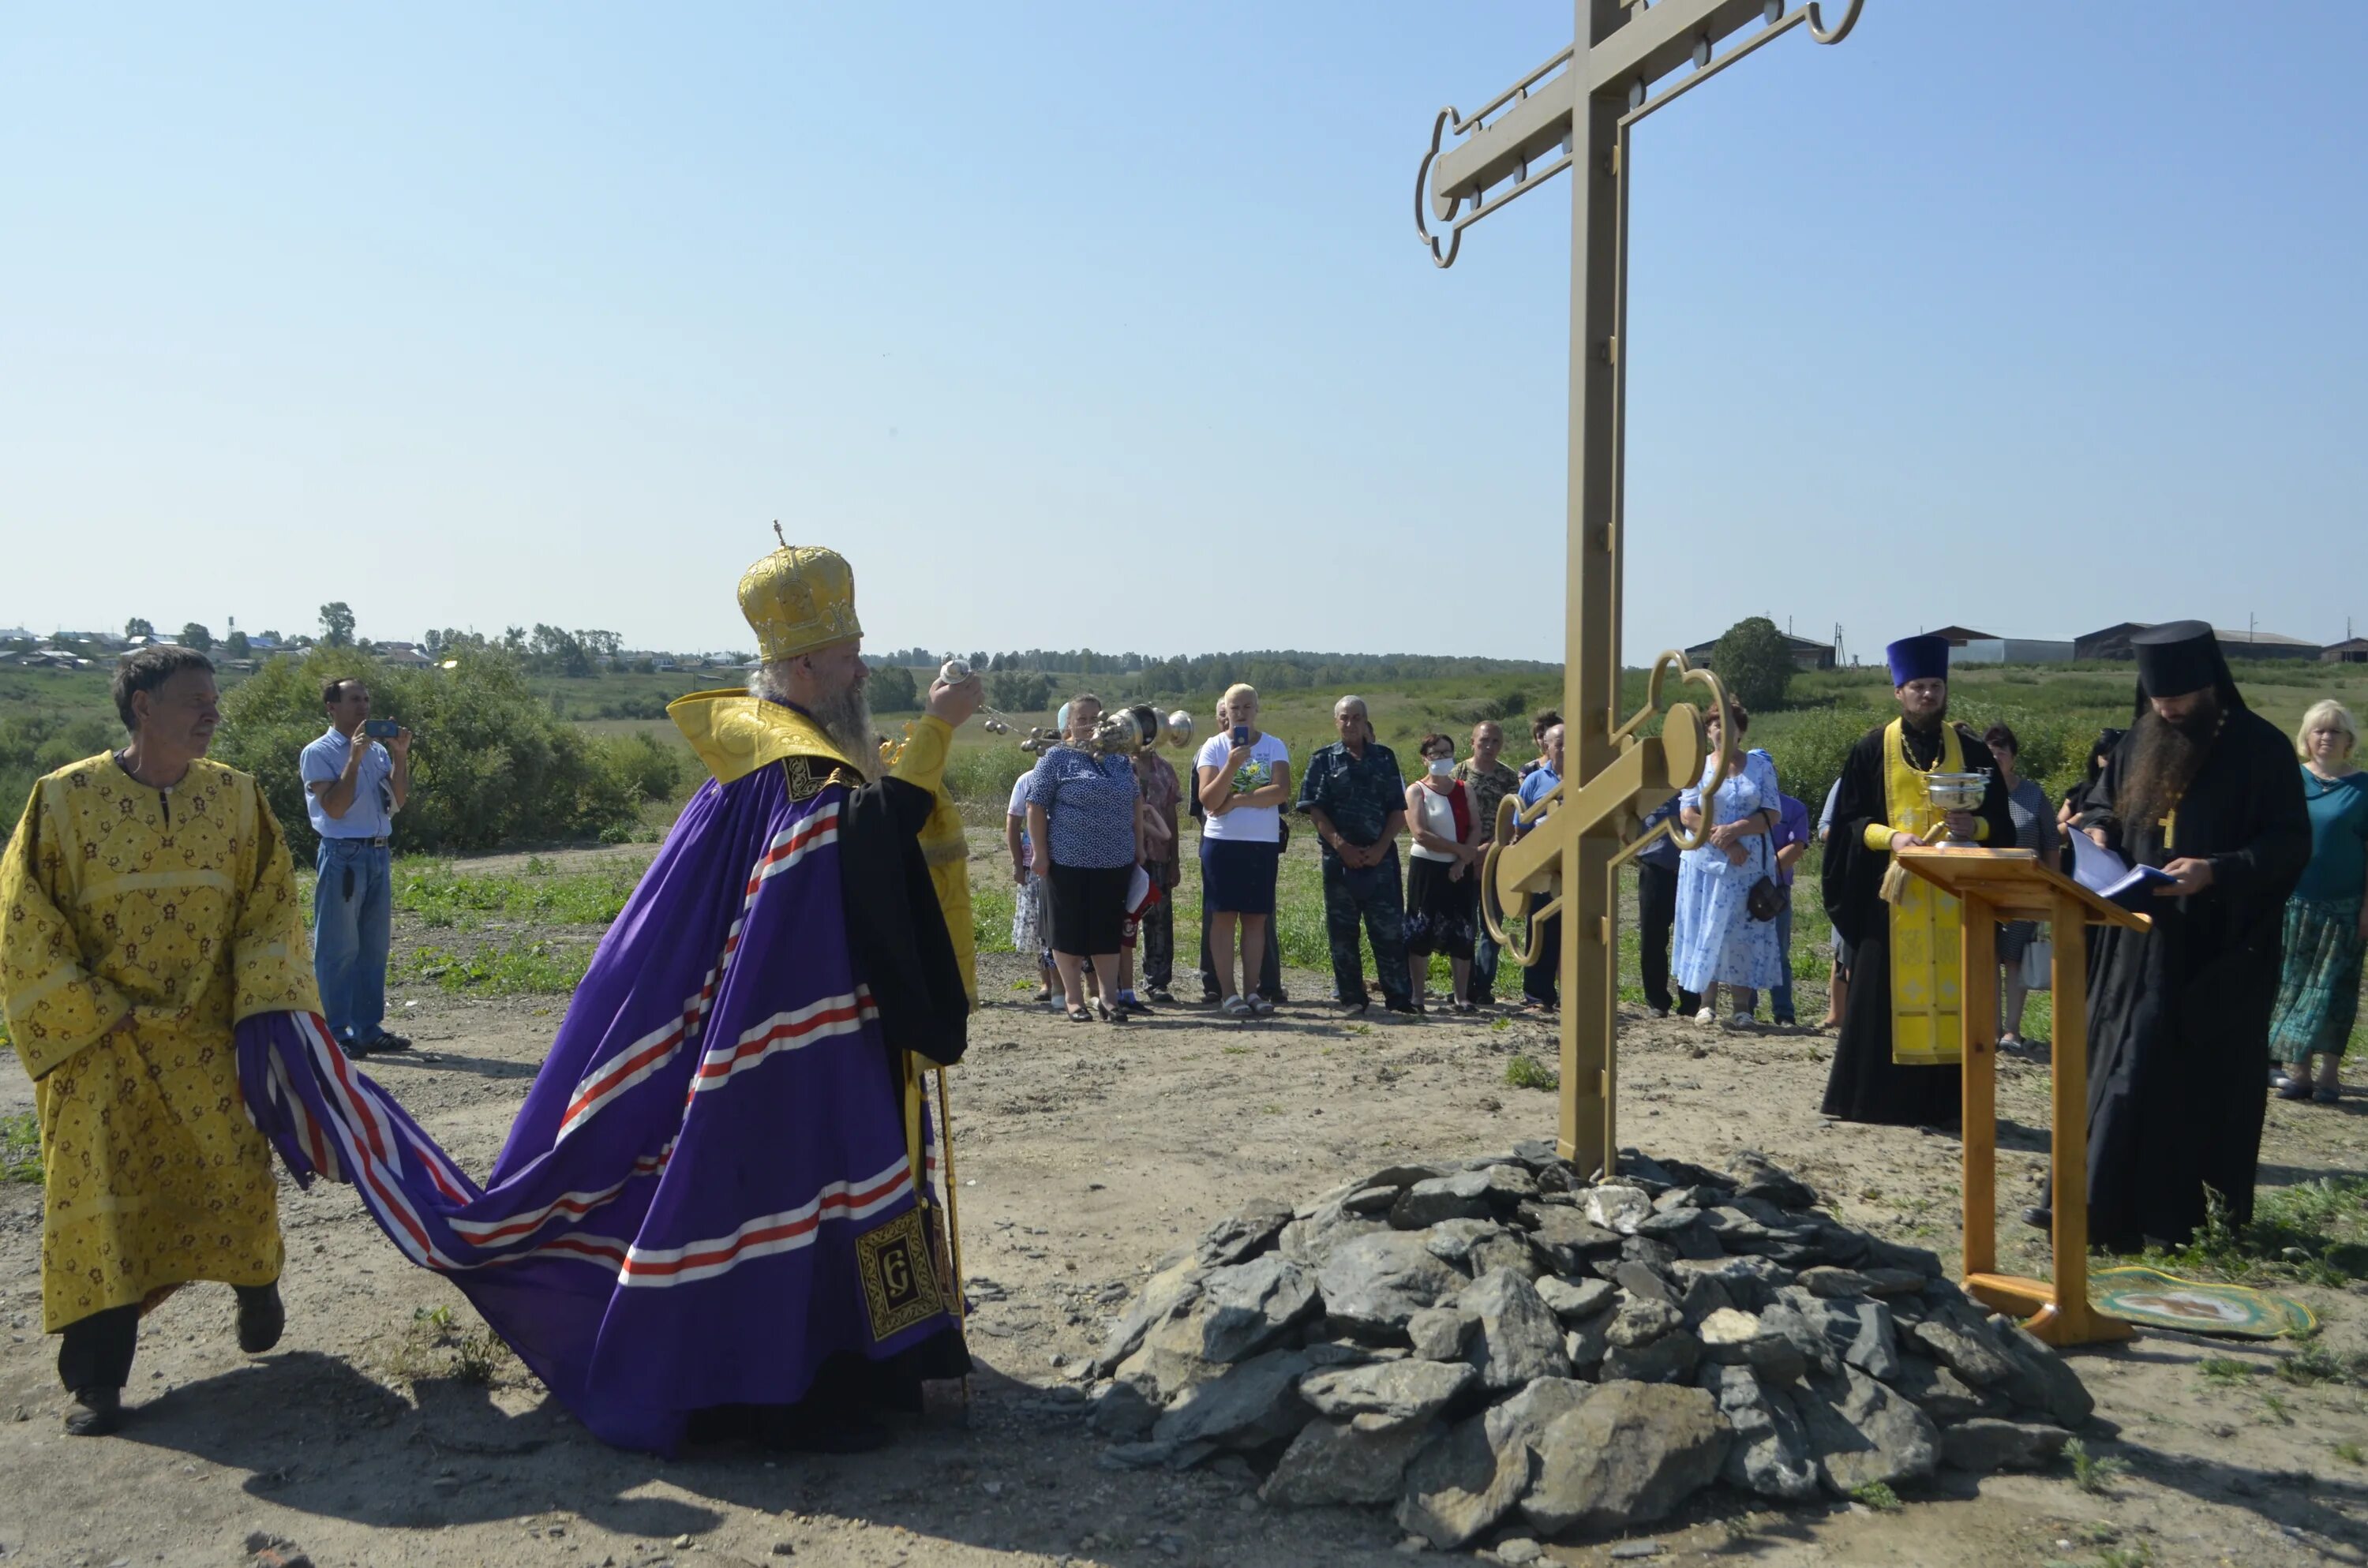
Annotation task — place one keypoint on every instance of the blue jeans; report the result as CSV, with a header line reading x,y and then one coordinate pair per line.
x,y
1486,956
353,905
1780,998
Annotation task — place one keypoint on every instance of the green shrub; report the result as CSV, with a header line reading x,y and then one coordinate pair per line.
x,y
1754,662
491,765
34,743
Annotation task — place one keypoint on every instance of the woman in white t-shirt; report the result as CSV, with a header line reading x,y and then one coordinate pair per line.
x,y
1027,897
1243,778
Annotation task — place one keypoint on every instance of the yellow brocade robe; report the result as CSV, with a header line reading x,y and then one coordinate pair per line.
x,y
179,908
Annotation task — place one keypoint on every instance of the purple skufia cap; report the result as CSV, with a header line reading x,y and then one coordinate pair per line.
x,y
1918,658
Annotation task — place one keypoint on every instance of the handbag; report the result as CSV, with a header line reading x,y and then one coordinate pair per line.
x,y
1766,898
2039,964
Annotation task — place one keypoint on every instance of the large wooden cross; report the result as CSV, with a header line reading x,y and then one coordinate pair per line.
x,y
1576,111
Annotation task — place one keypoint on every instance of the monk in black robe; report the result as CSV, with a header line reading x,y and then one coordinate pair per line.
x,y
1897,1060
2179,1018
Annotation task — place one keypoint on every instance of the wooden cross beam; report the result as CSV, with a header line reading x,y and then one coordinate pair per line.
x,y
1576,110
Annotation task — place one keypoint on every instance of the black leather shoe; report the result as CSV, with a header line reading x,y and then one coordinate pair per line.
x,y
2039,1216
383,1042
97,1413
261,1317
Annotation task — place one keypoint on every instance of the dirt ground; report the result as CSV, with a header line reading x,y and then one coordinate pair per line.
x,y
372,1436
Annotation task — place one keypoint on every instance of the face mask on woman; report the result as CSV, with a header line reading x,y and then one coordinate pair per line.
x,y
1441,766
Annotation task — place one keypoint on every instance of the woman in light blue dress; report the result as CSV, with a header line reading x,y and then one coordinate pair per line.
x,y
1718,943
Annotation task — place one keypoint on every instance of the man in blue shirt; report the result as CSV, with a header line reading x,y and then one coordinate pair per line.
x,y
353,787
1791,842
1539,982
1357,796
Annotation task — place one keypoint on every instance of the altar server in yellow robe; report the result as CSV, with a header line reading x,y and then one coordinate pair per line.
x,y
1896,1058
147,904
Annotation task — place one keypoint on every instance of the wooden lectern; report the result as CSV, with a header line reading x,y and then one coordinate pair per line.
x,y
2011,884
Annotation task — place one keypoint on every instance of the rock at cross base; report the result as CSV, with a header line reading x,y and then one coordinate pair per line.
x,y
1758,1176
1163,1293
1588,1345
1312,1238
1837,1284
1341,1461
1620,1209
1463,1195
1668,1359
1372,1285
1520,1340
1252,1405
1750,1283
1564,1238
1641,1320
1462,1485
1735,1338
1576,1300
1944,1396
1455,1489
1861,1432
2042,1378
1859,1330
1984,1446
1956,1333
1394,1393
1239,1312
1245,1308
1475,1247
1125,1410
1439,1333
1244,1234
1628,1455
1770,1453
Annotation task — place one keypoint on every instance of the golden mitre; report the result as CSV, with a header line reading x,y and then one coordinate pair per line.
x,y
799,598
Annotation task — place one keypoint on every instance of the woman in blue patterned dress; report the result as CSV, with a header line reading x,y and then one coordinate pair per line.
x,y
1718,943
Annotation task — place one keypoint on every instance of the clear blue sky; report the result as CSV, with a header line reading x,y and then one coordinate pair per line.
x,y
1106,325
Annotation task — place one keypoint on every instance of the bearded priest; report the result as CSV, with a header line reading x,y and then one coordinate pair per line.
x,y
2178,1015
1896,1059
714,1216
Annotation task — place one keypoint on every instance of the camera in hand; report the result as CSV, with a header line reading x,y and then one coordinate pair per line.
x,y
381,729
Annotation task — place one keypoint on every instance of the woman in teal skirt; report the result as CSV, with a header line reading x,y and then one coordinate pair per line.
x,y
2326,922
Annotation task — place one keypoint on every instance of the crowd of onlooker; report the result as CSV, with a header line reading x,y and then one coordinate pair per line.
x,y
1096,855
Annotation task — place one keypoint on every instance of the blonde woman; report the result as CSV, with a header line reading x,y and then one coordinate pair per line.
x,y
2327,918
1242,778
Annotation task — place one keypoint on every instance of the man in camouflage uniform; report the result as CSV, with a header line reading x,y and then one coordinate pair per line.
x,y
1357,796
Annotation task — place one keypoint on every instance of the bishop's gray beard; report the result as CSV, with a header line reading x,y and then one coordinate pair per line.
x,y
2163,759
845,717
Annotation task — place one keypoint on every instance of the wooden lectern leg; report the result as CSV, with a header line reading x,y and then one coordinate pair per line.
x,y
2072,1321
1979,1003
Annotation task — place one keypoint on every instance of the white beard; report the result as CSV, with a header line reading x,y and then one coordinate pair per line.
x,y
845,717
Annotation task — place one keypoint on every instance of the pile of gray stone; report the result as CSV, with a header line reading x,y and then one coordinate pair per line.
x,y
1498,1345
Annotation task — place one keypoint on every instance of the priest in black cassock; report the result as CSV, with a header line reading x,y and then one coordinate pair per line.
x,y
1897,1060
2179,1018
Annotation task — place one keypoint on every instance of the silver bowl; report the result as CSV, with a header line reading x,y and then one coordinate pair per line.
x,y
1956,791
1178,728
